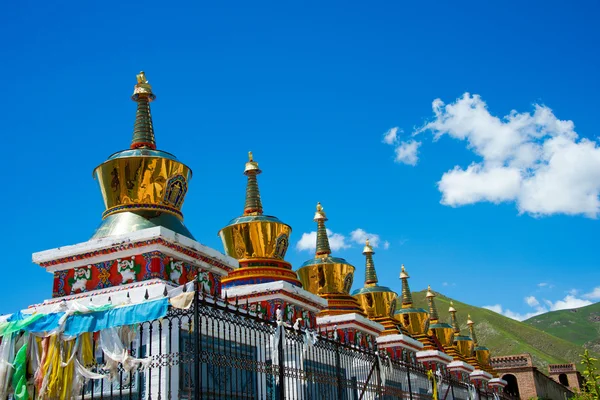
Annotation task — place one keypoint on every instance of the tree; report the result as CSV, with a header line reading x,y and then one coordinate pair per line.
x,y
592,379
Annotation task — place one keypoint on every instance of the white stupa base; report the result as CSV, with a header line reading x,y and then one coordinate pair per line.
x,y
497,382
399,340
433,356
460,366
352,321
479,375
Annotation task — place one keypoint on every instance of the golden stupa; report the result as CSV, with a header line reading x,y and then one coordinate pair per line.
x,y
414,320
482,353
142,187
258,241
442,332
327,276
378,302
463,343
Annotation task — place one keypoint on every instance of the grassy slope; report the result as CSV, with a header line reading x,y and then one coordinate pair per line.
x,y
580,326
505,336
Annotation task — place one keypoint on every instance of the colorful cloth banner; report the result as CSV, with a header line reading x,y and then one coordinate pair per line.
x,y
121,316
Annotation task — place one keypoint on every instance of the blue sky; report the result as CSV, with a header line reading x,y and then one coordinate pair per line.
x,y
493,212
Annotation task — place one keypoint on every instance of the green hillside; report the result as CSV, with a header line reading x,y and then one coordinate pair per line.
x,y
580,325
505,336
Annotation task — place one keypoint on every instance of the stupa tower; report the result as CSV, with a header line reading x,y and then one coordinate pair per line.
x,y
142,243
259,243
433,355
414,320
331,278
142,187
482,353
463,343
327,276
378,302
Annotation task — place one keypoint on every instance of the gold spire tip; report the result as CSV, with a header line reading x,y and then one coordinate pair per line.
x,y
451,309
368,249
141,77
429,292
404,274
251,165
320,214
142,88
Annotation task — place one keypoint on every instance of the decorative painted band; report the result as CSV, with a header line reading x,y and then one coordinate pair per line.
x,y
130,245
141,207
229,282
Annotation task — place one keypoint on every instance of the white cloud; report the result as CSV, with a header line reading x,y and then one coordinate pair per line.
x,y
407,152
569,302
497,308
533,159
477,184
573,292
391,136
360,236
386,245
532,301
545,285
308,241
594,294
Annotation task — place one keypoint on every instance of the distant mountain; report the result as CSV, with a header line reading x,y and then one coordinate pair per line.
x,y
505,336
580,325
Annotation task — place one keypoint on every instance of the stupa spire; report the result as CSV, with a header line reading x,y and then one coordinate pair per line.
x,y
370,274
471,325
407,300
433,312
323,249
453,320
253,204
143,130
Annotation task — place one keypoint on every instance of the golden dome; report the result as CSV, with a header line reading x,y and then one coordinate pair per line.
x,y
142,187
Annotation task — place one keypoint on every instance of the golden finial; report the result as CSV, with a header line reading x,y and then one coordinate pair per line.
x,y
469,321
141,77
451,309
368,248
320,214
403,273
429,292
142,88
251,166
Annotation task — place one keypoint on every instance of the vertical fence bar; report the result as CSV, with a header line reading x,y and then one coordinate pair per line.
x,y
197,385
338,370
281,359
410,392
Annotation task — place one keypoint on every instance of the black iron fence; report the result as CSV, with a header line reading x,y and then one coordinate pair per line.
x,y
218,350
